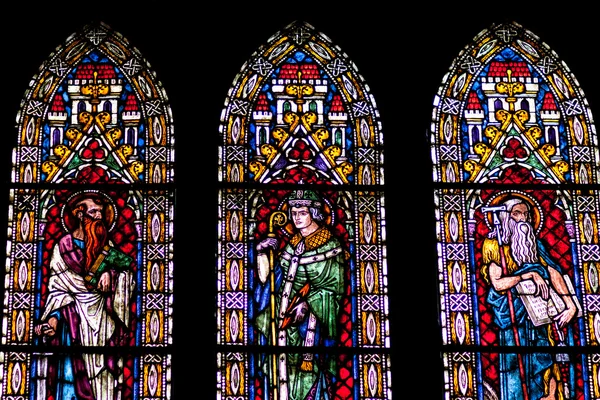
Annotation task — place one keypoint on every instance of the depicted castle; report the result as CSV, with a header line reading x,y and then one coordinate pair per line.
x,y
300,100
94,89
510,87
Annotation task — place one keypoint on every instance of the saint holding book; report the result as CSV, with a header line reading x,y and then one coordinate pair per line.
x,y
519,270
90,288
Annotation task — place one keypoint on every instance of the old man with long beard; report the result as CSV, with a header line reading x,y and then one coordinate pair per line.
x,y
524,258
86,305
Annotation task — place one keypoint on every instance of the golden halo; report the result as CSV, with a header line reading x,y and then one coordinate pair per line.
x,y
536,214
109,213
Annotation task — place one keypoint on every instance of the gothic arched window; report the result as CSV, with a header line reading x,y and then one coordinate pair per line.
x,y
517,222
302,303
88,292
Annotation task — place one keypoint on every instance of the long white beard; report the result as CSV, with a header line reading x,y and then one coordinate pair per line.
x,y
523,244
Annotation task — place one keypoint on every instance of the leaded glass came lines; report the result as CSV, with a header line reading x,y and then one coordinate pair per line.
x,y
302,301
514,151
88,294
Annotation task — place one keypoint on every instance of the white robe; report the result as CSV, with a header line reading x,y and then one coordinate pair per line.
x,y
96,326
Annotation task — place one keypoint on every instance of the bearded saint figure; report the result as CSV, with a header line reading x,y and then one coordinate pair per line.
x,y
88,304
510,255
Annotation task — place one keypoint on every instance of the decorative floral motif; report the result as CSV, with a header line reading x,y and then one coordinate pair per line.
x,y
93,151
514,149
300,151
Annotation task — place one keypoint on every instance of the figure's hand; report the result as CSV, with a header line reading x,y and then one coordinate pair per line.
x,y
104,282
47,328
540,283
268,242
299,312
565,316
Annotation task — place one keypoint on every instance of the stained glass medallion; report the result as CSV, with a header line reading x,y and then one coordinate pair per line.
x,y
515,152
88,290
301,264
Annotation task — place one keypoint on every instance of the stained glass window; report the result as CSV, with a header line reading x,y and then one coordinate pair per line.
x,y
302,306
515,157
88,289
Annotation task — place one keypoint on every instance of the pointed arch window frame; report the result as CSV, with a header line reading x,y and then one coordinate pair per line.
x,y
463,177
41,175
244,182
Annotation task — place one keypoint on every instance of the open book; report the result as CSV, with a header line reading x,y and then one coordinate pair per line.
x,y
542,311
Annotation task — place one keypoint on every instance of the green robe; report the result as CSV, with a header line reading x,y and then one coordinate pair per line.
x,y
320,264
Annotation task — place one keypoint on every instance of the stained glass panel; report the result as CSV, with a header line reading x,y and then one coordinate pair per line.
x,y
88,290
514,150
302,268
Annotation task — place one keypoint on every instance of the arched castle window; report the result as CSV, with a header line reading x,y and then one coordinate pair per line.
x,y
263,135
56,137
302,302
88,292
517,222
287,106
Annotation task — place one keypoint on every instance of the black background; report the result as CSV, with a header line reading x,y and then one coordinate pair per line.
x,y
402,51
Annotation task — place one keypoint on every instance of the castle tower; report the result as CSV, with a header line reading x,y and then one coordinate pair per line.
x,y
550,116
474,116
57,119
510,72
131,117
339,122
93,89
299,89
262,116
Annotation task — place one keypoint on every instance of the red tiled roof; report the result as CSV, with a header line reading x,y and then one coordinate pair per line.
x,y
308,71
86,71
336,104
473,102
58,104
261,103
499,68
131,103
548,103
